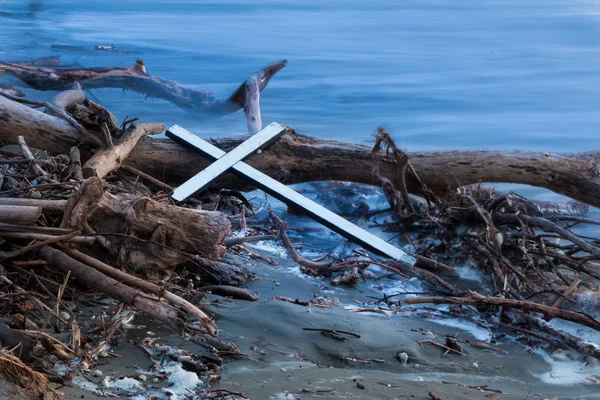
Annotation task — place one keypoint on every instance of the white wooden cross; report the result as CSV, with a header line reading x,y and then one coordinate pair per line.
x,y
234,161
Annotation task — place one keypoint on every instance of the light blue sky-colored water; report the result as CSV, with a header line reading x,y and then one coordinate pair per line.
x,y
437,74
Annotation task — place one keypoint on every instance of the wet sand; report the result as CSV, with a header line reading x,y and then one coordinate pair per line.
x,y
287,359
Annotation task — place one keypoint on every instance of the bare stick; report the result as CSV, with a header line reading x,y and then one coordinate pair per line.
x,y
118,291
282,226
477,299
334,331
441,346
229,242
28,155
35,246
146,286
110,158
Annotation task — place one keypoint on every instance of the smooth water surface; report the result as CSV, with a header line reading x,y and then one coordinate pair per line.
x,y
437,74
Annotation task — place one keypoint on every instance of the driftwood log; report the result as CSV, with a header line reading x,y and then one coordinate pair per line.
x,y
148,238
19,214
296,158
137,79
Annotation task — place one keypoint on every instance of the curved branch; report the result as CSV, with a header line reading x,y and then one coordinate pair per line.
x,y
134,78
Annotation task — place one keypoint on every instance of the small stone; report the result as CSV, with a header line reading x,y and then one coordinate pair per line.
x,y
106,383
103,354
155,380
402,357
142,377
97,373
36,195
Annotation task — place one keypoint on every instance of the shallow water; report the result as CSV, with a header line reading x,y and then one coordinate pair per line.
x,y
438,74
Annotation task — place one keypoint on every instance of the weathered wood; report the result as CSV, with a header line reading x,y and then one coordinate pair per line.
x,y
216,272
133,78
146,286
158,236
295,158
17,214
75,166
44,236
111,157
47,206
252,107
109,286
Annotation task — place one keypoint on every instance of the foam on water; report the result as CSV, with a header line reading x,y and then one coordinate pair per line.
x,y
567,372
475,330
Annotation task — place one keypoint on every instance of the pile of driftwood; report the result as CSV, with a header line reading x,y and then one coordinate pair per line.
x,y
80,198
538,268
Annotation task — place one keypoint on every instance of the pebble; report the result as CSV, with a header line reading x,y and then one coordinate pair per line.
x,y
97,373
106,383
36,195
155,380
103,354
142,377
403,357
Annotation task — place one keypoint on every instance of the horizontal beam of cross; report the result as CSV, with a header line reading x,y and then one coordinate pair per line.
x,y
291,197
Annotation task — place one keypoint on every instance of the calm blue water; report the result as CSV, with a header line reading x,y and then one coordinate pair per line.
x,y
437,74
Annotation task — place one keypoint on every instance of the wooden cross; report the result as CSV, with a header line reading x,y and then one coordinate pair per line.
x,y
234,161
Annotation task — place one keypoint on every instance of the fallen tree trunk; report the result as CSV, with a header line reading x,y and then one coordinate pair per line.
x,y
295,158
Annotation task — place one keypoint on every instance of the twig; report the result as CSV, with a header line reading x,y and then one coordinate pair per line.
x,y
229,242
282,226
333,331
34,246
441,346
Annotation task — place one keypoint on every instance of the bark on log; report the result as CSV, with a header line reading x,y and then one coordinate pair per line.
x,y
216,272
296,158
118,291
17,214
151,238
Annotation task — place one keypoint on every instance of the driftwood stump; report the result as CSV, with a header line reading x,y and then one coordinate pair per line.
x,y
147,237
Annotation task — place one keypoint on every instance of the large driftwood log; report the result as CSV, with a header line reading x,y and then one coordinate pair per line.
x,y
149,238
133,78
295,158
